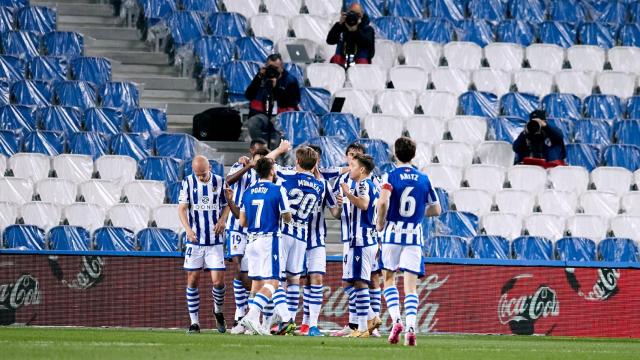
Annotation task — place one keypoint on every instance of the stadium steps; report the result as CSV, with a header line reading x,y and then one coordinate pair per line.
x,y
78,8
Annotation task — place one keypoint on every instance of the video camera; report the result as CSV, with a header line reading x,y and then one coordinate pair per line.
x,y
352,18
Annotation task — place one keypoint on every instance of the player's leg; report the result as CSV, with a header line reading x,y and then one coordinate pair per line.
x,y
294,269
390,255
214,263
236,246
193,263
363,258
347,285
317,266
306,290
411,265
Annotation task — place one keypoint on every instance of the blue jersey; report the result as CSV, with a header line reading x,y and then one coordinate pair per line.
x,y
305,192
363,222
238,188
345,215
206,201
263,203
411,193
317,222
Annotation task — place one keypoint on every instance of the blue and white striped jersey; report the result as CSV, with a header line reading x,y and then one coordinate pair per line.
x,y
238,188
305,192
345,215
317,222
411,193
363,222
206,201
263,203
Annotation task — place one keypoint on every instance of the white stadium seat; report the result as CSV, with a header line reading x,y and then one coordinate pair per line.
x,y
74,167
475,201
556,202
165,216
386,54
287,8
424,154
636,177
512,201
592,227
444,176
425,54
30,165
89,216
506,225
504,56
620,84
9,212
468,129
358,102
407,77
272,27
367,77
527,177
384,127
134,217
630,203
546,57
613,179
105,193
323,7
495,153
326,75
579,83
438,103
311,27
42,214
601,203
547,226
485,177
247,8
57,191
453,153
310,46
144,192
625,59
491,80
17,190
118,168
427,129
569,178
455,81
396,102
586,57
626,226
3,165
535,82
463,55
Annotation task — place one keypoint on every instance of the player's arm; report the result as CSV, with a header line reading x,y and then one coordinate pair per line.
x,y
361,201
383,206
183,209
433,210
236,174
284,207
283,148
233,207
242,219
433,204
221,224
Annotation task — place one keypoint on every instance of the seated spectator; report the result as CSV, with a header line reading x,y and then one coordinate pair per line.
x,y
353,36
540,143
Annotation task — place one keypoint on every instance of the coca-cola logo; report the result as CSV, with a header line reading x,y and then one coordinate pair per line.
x,y
24,291
91,272
604,288
521,311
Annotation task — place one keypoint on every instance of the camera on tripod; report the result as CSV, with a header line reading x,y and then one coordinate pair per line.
x,y
270,72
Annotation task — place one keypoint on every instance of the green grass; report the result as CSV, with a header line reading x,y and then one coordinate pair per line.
x,y
72,343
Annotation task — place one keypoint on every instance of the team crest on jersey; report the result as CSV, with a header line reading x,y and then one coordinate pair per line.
x,y
205,199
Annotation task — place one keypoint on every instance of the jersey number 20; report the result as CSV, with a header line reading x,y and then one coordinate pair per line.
x,y
304,202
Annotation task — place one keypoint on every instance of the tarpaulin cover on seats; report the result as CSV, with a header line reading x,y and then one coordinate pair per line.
x,y
585,155
252,48
564,125
31,92
213,51
518,104
23,237
378,149
4,93
6,19
576,249
405,8
491,10
373,8
17,117
9,143
11,68
93,69
216,167
456,223
532,248
48,68
443,198
598,34
505,128
449,9
119,95
603,107
315,99
59,118
477,31
384,168
394,28
173,192
490,247
66,237
110,238
44,142
160,168
238,76
14,4
157,9
228,24
80,94
333,148
131,144
434,29
516,31
207,6
618,249
89,143
633,107
446,247
567,10
592,131
629,35
562,106
530,10
64,43
155,239
146,120
346,126
182,146
104,120
186,26
479,103
558,33
38,19
299,126
23,44
611,12
296,71
626,156
627,132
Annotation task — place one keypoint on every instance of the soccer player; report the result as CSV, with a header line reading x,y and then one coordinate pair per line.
x,y
363,243
203,211
407,196
262,206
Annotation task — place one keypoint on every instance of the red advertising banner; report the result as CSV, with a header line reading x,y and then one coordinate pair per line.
x,y
482,299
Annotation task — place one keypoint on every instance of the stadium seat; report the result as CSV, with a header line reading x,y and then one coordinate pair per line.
x,y
527,177
504,225
119,95
410,9
385,127
104,120
59,118
567,10
154,239
22,44
618,249
66,44
454,153
88,216
134,217
23,237
96,70
19,118
200,5
9,213
313,27
575,249
455,81
519,105
357,102
584,155
478,31
315,99
345,126
597,34
118,168
617,180
495,153
17,190
12,68
161,168
424,154
394,102
181,146
111,238
233,23
565,106
186,27
463,55
516,32
485,177
468,129
146,120
7,20
407,77
624,59
627,132
134,145
457,223
210,53
629,35
446,247
586,57
445,176
545,225
626,226
237,76
536,82
426,129
545,57
299,126
532,248
30,165
367,77
475,201
527,10
601,203
438,103
564,125
627,156
101,192
622,85
569,178
478,103
493,81
323,7
492,10
44,142
144,192
601,106
394,28
490,247
30,93
88,143
41,214
272,27
579,83
434,29
69,238
630,203
557,202
558,33
325,75
519,202
386,54
422,53
253,49
80,94
164,216
56,191
378,149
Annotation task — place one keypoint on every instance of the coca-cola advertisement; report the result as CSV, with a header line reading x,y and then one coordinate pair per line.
x,y
478,299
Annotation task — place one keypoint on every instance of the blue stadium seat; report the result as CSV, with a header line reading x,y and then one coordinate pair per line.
x,y
528,10
38,19
134,145
634,11
110,238
80,94
21,44
11,68
44,142
346,126
448,247
181,146
627,132
562,106
315,99
70,238
617,249
146,120
626,156
558,33
478,31
59,118
532,248
211,52
490,247
443,197
564,125
332,150
206,6
89,143
457,223
9,143
155,239
5,92
19,118
31,92
405,8
585,155
66,44
238,75
479,103
48,68
505,128
186,27
161,168
633,107
6,19
155,10
14,4
104,120
518,104
567,10
516,31
491,10
592,131
96,70
299,126
384,168
378,149
575,249
629,35
610,12
23,237
252,48
216,167
601,106
119,95
596,33
373,8
434,29
173,191
451,10
228,24
396,29
296,71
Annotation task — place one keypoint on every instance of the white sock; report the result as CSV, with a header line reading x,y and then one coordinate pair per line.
x,y
241,296
193,304
392,298
376,300
315,303
218,298
411,309
256,307
280,301
293,299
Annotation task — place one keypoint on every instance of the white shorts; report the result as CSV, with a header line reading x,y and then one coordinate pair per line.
x,y
264,261
402,258
199,257
316,260
376,265
236,243
293,252
358,263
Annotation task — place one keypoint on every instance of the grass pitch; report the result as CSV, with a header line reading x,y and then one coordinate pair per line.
x,y
78,343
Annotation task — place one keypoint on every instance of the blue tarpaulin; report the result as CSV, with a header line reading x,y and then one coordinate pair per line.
x,y
22,44
64,43
449,9
39,19
516,31
212,52
17,117
592,131
396,29
48,68
80,94
490,247
627,132
110,238
182,146
23,237
237,76
146,120
161,168
479,103
96,70
518,104
314,99
89,143
575,249
618,249
626,156
601,106
405,8
532,248
598,34
435,29
299,126
228,24
11,68
585,155
31,92
558,33
104,120
134,145
9,143
378,149
155,239
44,142
562,106
59,118
567,10
629,35
477,31
333,148
346,126
71,238
530,10
446,247
505,128
252,48
186,26
119,95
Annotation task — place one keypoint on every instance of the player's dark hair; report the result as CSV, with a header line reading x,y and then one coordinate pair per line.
x,y
317,149
405,149
263,167
257,141
262,152
357,147
365,161
307,157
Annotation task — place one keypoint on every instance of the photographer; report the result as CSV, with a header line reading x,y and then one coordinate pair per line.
x,y
540,143
353,36
272,86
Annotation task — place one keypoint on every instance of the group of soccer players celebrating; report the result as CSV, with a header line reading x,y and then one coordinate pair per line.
x,y
273,220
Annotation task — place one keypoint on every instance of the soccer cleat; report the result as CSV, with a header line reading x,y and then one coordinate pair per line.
x,y
252,326
345,331
375,333
222,325
410,338
304,330
314,331
358,334
394,336
194,329
238,329
373,324
286,328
